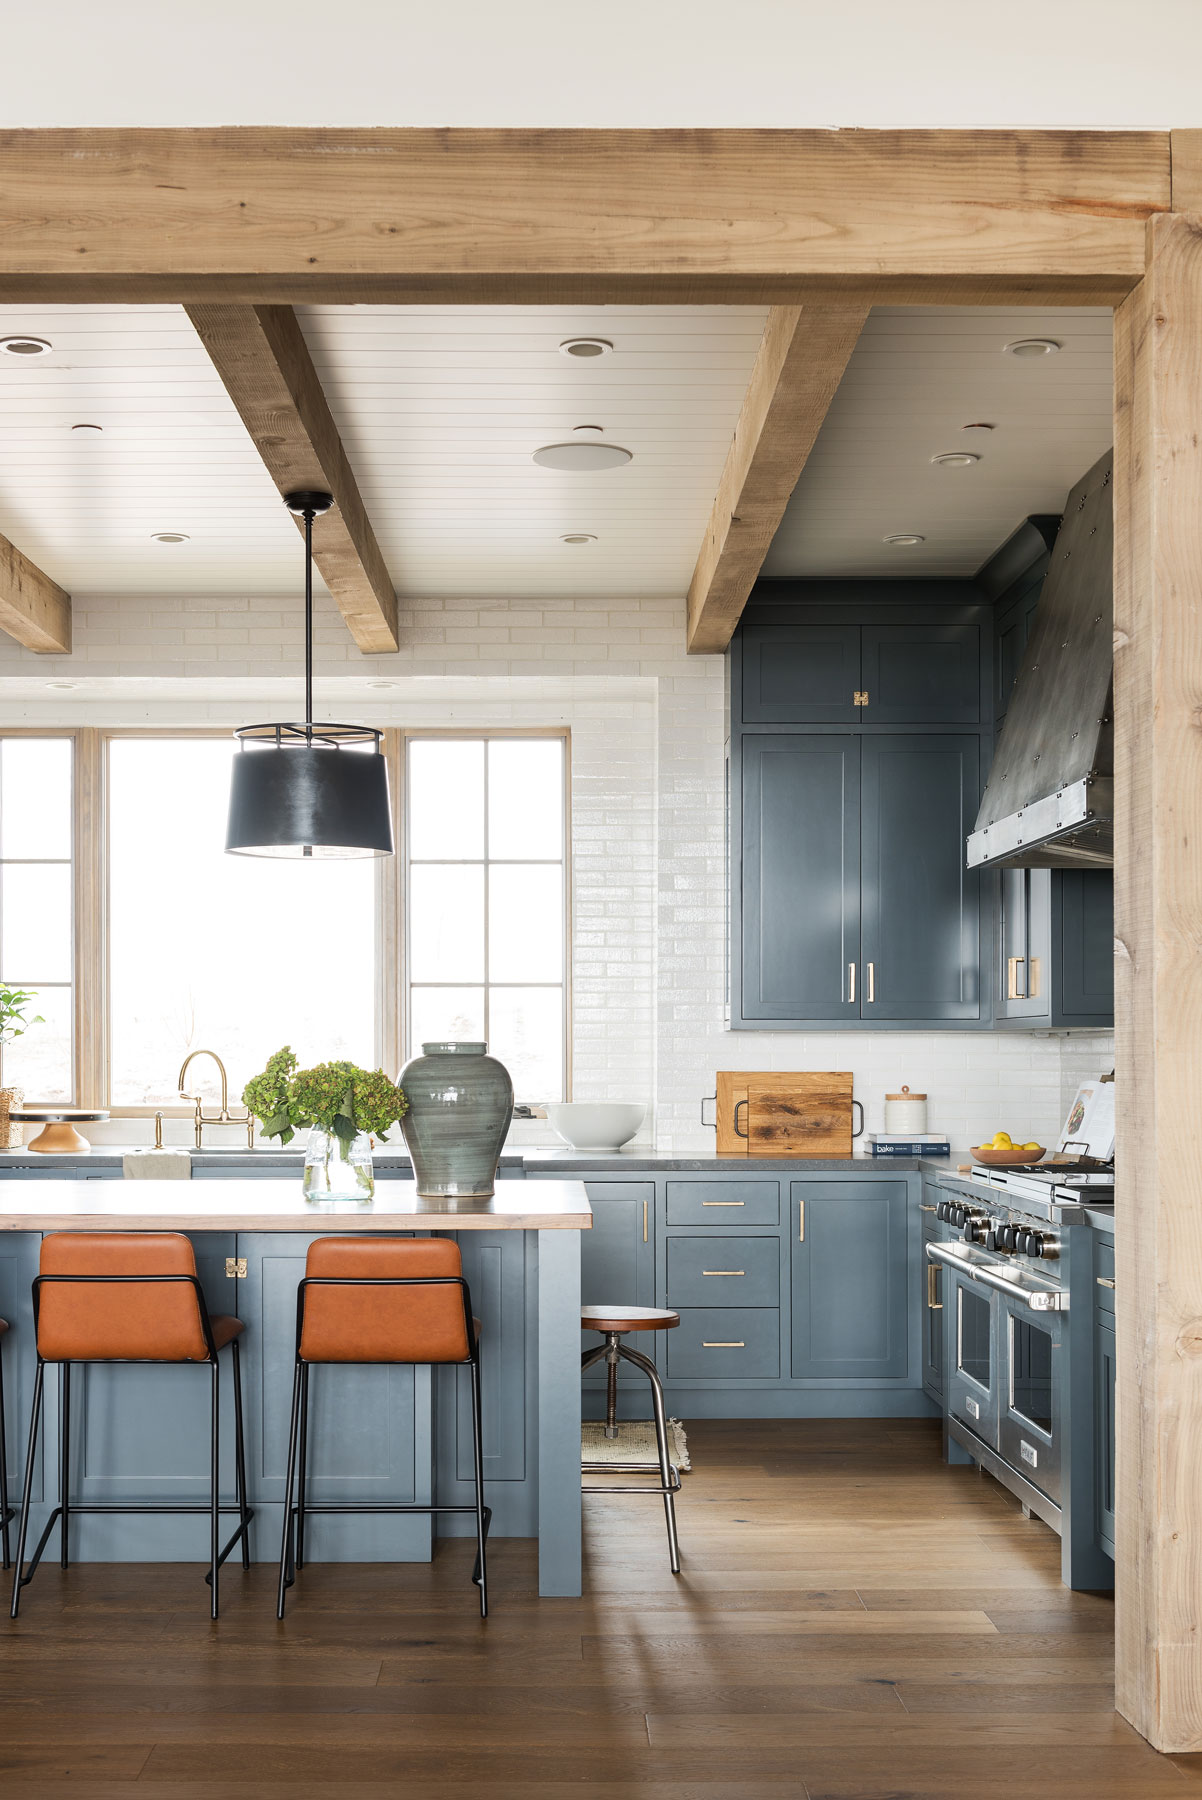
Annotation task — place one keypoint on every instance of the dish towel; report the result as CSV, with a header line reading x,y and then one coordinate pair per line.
x,y
157,1165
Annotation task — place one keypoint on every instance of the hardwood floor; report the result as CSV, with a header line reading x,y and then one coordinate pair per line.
x,y
854,1622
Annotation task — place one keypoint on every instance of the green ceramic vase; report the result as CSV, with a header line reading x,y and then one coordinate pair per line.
x,y
460,1104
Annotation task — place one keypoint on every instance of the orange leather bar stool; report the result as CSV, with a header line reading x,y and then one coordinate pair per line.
x,y
126,1296
379,1300
614,1322
7,1512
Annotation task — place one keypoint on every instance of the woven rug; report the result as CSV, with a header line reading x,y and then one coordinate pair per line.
x,y
635,1443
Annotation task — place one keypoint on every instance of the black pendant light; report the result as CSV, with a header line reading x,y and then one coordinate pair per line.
x,y
309,790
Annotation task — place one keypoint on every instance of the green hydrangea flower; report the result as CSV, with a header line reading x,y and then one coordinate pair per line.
x,y
337,1096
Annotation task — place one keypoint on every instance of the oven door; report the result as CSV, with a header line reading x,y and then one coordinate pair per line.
x,y
1030,1393
973,1388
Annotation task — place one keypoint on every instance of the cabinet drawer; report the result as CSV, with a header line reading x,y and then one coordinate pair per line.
x,y
723,1202
723,1271
1104,1270
725,1340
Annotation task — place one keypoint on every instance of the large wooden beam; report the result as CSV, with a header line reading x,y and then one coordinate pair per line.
x,y
1158,989
33,609
798,366
261,356
544,216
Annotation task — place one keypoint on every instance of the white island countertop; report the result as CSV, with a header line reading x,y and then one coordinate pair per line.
x,y
263,1205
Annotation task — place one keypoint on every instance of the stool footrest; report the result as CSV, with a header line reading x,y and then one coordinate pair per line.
x,y
23,1580
673,1486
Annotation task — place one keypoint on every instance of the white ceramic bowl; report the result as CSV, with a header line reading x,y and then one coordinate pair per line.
x,y
595,1125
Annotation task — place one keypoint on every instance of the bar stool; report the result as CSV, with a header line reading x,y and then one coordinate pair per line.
x,y
127,1297
614,1322
379,1300
7,1512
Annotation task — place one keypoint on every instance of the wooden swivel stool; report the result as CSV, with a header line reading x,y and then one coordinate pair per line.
x,y
117,1297
614,1322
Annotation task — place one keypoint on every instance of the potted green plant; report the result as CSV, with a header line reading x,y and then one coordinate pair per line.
x,y
343,1108
15,1020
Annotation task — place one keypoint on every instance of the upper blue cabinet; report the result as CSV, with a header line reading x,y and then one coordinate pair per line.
x,y
851,905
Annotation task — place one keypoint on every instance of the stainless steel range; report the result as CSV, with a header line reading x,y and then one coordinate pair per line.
x,y
1018,1359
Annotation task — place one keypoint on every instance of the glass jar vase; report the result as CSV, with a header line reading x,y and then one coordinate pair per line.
x,y
338,1168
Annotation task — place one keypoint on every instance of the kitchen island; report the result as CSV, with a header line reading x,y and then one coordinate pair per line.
x,y
393,1434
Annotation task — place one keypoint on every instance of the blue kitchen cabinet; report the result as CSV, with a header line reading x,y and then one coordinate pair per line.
x,y
617,1259
850,662
19,1253
930,1298
800,674
926,674
799,949
850,1279
1105,1354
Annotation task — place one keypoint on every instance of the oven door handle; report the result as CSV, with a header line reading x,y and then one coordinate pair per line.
x,y
1036,1299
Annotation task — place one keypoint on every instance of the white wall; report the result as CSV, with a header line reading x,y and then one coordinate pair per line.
x,y
648,732
1085,63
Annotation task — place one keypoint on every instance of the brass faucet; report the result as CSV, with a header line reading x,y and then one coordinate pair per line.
x,y
224,1117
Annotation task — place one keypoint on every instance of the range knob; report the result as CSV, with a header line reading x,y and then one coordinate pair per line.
x,y
943,1210
1007,1238
974,1229
1036,1244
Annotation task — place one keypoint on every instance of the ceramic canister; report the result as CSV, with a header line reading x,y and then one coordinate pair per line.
x,y
905,1112
460,1104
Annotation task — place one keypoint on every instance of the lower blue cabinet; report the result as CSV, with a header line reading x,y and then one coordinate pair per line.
x,y
850,1265
725,1341
617,1256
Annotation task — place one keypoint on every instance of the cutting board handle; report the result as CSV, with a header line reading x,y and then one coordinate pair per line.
x,y
738,1104
860,1132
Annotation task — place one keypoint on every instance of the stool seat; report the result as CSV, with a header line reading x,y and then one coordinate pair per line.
x,y
226,1329
627,1318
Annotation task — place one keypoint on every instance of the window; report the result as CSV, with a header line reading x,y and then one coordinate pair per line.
x,y
485,952
231,953
36,909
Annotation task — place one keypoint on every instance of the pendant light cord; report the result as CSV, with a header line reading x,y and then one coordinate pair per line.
x,y
309,516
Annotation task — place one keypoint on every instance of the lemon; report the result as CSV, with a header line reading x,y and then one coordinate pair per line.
x,y
1002,1141
1031,1146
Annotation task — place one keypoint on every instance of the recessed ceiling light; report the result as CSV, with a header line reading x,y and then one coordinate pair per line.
x,y
597,428
582,458
381,684
977,425
20,343
904,537
585,348
88,430
62,684
169,537
578,537
956,459
1032,347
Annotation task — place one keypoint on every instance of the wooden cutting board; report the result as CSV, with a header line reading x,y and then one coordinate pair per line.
x,y
781,1114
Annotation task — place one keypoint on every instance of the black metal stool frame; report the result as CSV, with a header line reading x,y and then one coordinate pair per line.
x,y
7,1512
669,1476
63,1511
292,1547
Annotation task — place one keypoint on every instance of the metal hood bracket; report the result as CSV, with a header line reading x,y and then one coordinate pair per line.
x,y
1049,801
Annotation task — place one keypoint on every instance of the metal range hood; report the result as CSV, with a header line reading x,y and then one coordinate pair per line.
x,y
1049,801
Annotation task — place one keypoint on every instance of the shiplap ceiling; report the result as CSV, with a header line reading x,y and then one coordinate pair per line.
x,y
441,408
440,411
916,378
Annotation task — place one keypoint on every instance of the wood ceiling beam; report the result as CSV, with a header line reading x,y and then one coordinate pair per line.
x,y
33,609
798,366
539,216
263,360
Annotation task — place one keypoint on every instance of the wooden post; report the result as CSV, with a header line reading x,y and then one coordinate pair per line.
x,y
1158,988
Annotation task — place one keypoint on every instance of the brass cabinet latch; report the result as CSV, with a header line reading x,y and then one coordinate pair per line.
x,y
860,697
235,1268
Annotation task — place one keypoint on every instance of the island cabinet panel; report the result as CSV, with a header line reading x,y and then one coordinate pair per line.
x,y
800,899
370,1427
850,1280
495,1265
19,1252
921,907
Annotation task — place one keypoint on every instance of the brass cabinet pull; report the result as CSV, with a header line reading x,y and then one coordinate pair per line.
x,y
724,1271
851,982
932,1277
871,995
801,1221
644,1221
924,1208
724,1203
1013,991
729,1344
1033,979
1104,1281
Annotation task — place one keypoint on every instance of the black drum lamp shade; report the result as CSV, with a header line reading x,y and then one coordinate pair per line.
x,y
306,790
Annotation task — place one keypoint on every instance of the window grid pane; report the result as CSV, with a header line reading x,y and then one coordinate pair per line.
x,y
488,990
37,935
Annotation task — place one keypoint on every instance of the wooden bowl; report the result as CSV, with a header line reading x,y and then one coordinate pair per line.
x,y
1005,1159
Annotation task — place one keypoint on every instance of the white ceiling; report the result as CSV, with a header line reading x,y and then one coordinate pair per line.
x,y
440,410
917,376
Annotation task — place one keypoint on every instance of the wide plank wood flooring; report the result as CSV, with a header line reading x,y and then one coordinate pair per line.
x,y
854,1622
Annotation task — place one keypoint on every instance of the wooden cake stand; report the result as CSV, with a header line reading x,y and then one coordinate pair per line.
x,y
60,1121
